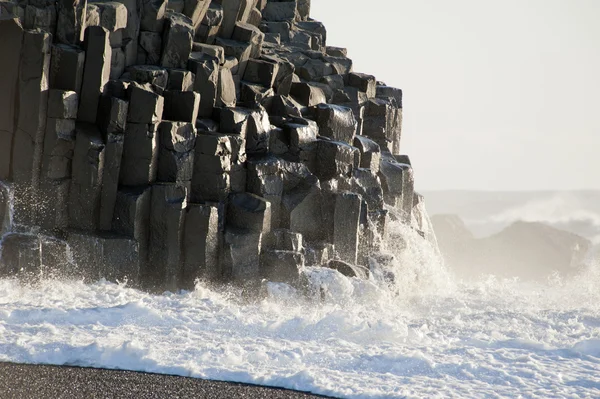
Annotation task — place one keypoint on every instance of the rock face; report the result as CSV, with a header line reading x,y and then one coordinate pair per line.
x,y
526,250
165,142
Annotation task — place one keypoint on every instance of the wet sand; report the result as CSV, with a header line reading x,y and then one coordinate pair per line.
x,y
20,381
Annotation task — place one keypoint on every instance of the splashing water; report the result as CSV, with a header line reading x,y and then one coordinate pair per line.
x,y
412,330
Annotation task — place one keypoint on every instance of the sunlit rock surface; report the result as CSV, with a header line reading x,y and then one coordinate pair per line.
x,y
171,141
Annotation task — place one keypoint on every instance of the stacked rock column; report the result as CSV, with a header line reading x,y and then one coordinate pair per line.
x,y
169,141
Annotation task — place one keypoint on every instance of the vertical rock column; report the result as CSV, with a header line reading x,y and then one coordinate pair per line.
x,y
347,226
167,214
86,184
112,119
96,72
201,244
11,33
59,143
31,123
71,21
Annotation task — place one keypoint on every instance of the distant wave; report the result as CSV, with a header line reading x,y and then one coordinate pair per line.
x,y
564,211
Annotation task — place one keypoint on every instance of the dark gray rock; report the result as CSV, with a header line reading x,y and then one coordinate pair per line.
x,y
280,11
139,163
180,80
284,239
308,94
181,106
335,158
211,24
249,34
71,21
201,244
398,185
348,270
5,204
33,102
285,106
177,41
132,30
387,92
86,183
131,212
153,15
114,143
240,50
195,10
265,178
255,96
368,185
301,138
62,104
105,256
250,212
149,48
10,48
336,122
315,69
155,76
112,115
113,16
167,215
20,256
176,153
206,70
226,92
301,202
261,72
96,72
346,228
336,51
208,186
145,106
40,16
241,255
281,266
233,11
210,50
57,154
117,63
52,213
335,82
131,216
66,69
370,153
363,82
319,253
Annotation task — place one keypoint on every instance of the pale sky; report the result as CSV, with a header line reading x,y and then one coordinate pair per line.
x,y
498,95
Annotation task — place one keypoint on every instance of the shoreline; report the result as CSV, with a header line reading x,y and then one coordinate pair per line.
x,y
35,381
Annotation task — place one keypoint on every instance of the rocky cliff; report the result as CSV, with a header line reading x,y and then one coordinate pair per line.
x,y
165,141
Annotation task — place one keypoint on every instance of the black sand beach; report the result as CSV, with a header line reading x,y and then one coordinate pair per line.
x,y
19,381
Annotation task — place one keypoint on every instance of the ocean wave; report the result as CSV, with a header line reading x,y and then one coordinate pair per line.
x,y
411,330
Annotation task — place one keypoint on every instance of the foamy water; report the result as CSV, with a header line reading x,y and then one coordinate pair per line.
x,y
421,334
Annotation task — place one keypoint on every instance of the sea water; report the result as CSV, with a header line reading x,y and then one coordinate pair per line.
x,y
413,330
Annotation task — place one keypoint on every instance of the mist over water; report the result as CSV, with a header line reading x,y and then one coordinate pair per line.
x,y
412,330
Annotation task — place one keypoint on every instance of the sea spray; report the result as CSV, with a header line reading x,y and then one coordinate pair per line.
x,y
417,334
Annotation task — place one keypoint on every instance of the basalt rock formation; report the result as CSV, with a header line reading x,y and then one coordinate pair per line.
x,y
165,141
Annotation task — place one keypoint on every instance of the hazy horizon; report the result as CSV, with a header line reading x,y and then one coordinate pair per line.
x,y
497,96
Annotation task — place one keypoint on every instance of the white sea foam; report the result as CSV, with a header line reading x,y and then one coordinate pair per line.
x,y
411,331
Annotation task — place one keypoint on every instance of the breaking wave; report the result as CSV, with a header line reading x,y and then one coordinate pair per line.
x,y
565,211
412,330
